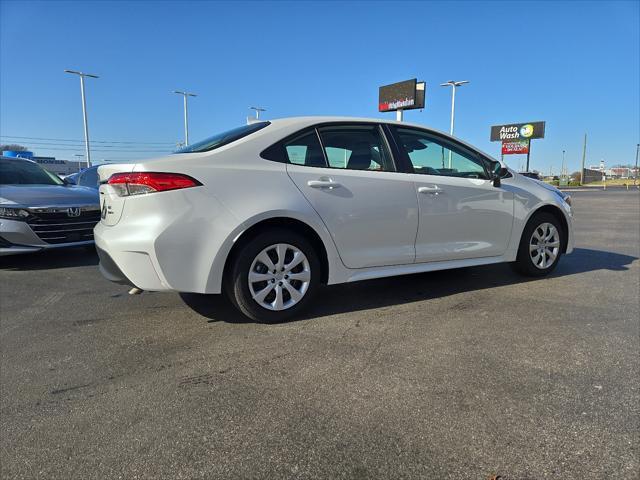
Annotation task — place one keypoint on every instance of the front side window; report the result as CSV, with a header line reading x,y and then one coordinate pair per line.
x,y
224,138
20,172
357,147
431,155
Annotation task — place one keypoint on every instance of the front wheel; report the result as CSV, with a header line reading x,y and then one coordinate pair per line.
x,y
273,277
540,246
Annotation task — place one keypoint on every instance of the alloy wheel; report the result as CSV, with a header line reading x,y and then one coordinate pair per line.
x,y
279,277
544,245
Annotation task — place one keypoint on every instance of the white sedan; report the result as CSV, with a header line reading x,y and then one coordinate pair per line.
x,y
269,211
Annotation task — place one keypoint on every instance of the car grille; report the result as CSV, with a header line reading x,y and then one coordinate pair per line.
x,y
56,226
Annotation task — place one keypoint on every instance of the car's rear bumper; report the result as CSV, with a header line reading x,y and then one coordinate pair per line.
x,y
126,267
165,241
110,269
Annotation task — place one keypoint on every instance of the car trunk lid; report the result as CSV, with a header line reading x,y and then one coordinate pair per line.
x,y
111,204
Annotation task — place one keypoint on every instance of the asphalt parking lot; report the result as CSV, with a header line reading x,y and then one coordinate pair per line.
x,y
461,374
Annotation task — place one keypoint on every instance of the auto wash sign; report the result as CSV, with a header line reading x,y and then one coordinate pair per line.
x,y
516,137
517,132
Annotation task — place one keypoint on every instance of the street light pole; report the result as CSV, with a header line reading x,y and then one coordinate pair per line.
x,y
84,112
453,84
258,110
79,155
186,114
453,108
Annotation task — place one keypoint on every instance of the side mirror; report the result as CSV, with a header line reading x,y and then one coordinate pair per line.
x,y
502,171
496,172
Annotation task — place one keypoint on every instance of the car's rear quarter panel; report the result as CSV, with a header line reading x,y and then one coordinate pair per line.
x,y
189,233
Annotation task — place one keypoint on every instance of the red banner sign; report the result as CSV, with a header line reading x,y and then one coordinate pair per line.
x,y
510,148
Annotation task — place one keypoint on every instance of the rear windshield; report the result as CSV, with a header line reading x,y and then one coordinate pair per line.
x,y
224,138
19,172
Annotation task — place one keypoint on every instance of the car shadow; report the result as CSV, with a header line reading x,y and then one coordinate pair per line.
x,y
384,292
50,259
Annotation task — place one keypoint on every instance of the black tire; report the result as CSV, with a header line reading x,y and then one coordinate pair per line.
x,y
236,283
524,264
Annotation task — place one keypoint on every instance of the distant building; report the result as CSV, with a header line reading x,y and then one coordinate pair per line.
x,y
59,167
591,175
617,172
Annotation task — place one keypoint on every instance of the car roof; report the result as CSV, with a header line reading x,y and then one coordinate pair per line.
x,y
296,123
313,119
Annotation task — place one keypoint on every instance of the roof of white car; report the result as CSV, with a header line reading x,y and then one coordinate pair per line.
x,y
302,122
310,120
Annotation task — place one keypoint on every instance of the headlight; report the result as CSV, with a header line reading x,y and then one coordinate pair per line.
x,y
12,213
567,199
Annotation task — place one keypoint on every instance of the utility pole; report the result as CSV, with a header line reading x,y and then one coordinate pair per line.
x,y
584,156
84,111
186,114
562,173
635,175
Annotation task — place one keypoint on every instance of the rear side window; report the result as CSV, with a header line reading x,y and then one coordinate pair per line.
x,y
305,150
224,138
356,147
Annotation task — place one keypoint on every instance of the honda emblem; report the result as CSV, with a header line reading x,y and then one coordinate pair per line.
x,y
73,211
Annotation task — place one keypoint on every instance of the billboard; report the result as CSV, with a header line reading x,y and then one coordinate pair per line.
x,y
421,89
515,147
517,131
407,95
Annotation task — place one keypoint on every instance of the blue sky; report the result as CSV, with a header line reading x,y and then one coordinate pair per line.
x,y
573,64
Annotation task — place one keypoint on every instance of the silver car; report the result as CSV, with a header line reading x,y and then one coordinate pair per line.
x,y
40,211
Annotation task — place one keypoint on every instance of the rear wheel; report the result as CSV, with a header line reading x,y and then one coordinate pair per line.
x,y
540,246
274,276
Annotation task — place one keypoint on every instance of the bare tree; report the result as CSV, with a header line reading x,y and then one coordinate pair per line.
x,y
14,147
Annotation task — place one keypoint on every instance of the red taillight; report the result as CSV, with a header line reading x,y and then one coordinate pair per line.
x,y
138,183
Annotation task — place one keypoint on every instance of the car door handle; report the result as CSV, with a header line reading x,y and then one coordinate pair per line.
x,y
323,184
434,190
